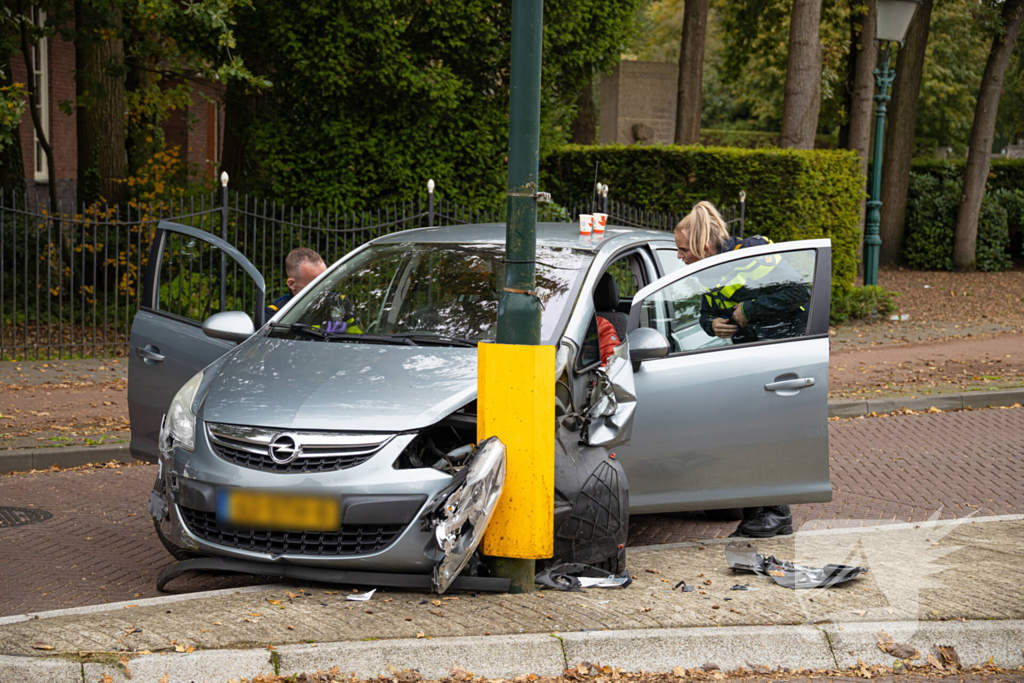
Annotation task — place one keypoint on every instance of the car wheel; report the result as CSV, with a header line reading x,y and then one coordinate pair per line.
x,y
725,514
176,552
615,564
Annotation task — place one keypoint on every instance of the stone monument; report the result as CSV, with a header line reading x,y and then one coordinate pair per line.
x,y
638,104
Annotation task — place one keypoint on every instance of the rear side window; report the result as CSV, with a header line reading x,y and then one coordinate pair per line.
x,y
196,280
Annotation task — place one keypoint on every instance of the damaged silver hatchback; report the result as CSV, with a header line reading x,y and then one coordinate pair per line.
x,y
304,447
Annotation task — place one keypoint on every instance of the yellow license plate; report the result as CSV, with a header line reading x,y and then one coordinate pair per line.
x,y
274,511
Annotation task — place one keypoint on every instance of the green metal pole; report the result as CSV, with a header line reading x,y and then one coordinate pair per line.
x,y
872,242
518,312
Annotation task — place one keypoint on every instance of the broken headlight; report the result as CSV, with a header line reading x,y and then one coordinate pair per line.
x,y
463,518
179,427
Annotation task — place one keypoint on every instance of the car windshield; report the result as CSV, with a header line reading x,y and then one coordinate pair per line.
x,y
422,290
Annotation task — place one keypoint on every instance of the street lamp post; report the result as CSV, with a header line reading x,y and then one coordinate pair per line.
x,y
891,26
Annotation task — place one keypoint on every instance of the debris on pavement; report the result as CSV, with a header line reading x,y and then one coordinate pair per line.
x,y
686,588
361,597
743,556
572,576
898,650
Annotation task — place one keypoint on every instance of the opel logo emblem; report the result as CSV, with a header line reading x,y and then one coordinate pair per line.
x,y
284,448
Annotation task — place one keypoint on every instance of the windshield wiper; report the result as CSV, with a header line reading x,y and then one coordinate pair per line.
x,y
323,335
436,339
300,328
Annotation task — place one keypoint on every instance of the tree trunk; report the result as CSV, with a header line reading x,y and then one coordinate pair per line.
x,y
899,135
100,98
861,84
979,155
802,99
12,166
691,72
583,130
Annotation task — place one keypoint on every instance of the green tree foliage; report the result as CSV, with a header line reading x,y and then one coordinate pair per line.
x,y
791,194
372,98
958,45
754,35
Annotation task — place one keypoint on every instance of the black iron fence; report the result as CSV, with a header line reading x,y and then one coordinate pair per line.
x,y
70,282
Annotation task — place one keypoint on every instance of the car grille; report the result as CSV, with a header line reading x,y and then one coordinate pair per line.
x,y
353,539
321,451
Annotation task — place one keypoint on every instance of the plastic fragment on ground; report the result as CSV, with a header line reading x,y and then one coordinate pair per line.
x,y
743,556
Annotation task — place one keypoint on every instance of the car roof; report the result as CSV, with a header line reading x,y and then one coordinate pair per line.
x,y
548,234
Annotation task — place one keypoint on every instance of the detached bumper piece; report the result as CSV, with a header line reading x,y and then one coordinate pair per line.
x,y
336,576
743,556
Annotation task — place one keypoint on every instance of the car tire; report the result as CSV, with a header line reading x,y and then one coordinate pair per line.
x,y
615,564
176,552
725,514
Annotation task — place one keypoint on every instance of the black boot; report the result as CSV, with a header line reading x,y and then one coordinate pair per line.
x,y
749,515
766,522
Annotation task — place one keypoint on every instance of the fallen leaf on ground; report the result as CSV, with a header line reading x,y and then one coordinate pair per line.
x,y
127,671
165,678
949,655
459,674
409,676
41,646
679,671
273,602
902,651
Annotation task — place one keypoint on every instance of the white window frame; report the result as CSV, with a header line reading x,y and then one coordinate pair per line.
x,y
41,74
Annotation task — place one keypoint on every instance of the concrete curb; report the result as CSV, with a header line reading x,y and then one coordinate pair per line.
x,y
793,647
971,399
22,459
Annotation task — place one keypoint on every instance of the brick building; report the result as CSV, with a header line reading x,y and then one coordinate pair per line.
x,y
198,130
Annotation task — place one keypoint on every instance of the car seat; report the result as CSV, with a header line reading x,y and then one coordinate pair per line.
x,y
606,300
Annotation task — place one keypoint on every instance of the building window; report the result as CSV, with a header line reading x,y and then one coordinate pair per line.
x,y
41,73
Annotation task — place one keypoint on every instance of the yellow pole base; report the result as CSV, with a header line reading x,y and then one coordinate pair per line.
x,y
516,403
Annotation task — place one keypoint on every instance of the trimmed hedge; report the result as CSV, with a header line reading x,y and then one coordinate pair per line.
x,y
753,139
1005,187
1003,174
791,194
933,201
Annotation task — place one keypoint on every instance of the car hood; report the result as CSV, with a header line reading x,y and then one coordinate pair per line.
x,y
298,384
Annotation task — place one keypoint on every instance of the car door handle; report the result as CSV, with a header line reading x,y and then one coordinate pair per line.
x,y
799,383
149,353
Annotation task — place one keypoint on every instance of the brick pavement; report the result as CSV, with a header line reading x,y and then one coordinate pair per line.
x,y
99,546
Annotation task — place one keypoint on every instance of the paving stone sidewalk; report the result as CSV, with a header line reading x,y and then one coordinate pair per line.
x,y
950,570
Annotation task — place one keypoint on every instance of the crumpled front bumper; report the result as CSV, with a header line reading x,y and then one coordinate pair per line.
x,y
389,516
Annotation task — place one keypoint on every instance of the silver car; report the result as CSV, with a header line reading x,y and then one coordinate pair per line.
x,y
294,445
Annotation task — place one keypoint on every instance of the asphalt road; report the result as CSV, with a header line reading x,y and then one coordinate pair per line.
x,y
98,544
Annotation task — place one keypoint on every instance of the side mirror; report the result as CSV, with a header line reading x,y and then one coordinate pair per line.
x,y
645,343
233,326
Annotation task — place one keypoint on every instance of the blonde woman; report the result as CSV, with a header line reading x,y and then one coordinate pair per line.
x,y
760,300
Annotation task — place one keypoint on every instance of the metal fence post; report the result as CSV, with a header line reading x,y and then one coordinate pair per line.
x,y
223,236
430,203
743,210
